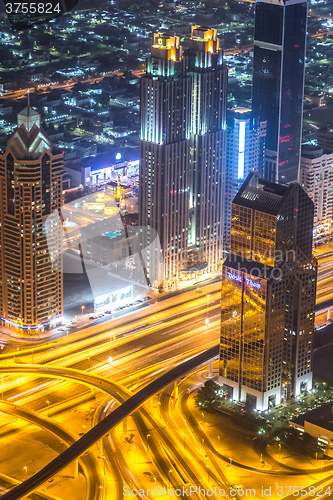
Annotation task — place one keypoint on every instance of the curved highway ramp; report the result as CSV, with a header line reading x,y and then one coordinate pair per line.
x,y
103,427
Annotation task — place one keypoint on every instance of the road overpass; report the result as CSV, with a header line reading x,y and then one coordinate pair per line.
x,y
103,427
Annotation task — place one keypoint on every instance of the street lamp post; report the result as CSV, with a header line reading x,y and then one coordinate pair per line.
x,y
169,478
207,321
148,436
110,357
26,472
207,472
82,309
159,405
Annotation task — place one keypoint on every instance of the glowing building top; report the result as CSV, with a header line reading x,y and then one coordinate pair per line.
x,y
204,47
29,140
205,39
166,46
166,56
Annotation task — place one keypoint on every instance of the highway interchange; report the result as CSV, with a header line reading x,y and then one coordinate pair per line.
x,y
73,382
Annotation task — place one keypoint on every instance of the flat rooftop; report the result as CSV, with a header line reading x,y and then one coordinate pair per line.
x,y
322,417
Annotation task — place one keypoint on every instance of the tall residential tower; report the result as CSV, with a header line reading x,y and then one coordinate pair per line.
x,y
31,189
246,135
278,82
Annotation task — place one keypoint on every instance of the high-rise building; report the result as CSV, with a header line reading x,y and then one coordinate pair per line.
x,y
164,183
278,82
325,137
183,121
316,178
208,123
245,152
31,189
268,294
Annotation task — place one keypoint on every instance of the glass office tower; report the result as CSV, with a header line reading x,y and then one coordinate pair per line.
x,y
278,82
268,294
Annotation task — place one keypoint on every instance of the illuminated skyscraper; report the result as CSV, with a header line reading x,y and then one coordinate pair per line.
x,y
278,82
208,123
268,294
165,157
31,189
183,114
246,136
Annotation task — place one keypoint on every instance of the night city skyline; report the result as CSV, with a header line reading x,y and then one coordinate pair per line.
x,y
166,242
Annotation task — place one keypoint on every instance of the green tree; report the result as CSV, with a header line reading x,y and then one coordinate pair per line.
x,y
207,394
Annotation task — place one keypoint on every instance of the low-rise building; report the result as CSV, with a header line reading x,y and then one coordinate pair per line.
x,y
316,178
319,424
325,137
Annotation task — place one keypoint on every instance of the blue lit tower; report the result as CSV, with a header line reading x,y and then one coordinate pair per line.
x,y
246,135
164,158
208,123
278,82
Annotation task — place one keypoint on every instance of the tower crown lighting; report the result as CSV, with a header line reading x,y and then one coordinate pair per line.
x,y
166,46
204,39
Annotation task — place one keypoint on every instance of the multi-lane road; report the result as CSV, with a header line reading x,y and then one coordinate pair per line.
x,y
81,378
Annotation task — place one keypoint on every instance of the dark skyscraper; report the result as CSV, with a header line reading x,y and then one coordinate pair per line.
x,y
268,294
31,189
278,82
